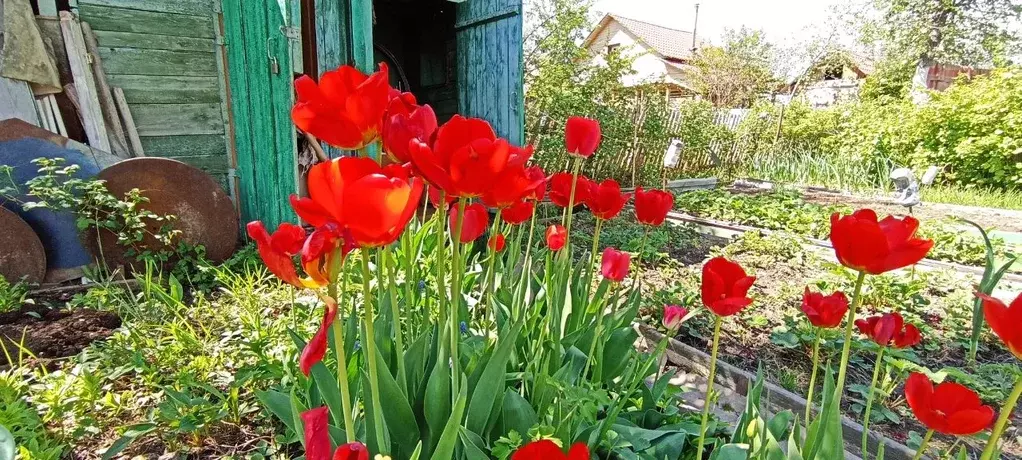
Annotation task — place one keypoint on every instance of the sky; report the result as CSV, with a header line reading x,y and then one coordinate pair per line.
x,y
781,20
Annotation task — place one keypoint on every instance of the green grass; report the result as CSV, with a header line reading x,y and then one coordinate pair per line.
x,y
1001,199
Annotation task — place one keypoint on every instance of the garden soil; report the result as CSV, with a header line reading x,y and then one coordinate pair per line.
x,y
53,333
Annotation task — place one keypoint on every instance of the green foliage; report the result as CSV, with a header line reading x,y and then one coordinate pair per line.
x,y
737,73
21,420
12,295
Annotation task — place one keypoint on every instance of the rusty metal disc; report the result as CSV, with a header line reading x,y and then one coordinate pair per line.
x,y
22,256
203,212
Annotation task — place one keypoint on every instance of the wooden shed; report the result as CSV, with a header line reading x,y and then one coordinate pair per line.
x,y
209,82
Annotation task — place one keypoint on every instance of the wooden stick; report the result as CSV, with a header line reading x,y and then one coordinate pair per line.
x,y
129,123
320,154
85,84
57,116
118,141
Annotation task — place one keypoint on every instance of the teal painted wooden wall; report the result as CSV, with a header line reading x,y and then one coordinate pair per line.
x,y
165,55
489,36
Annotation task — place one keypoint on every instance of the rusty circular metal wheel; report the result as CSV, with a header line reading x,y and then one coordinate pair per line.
x,y
203,213
22,256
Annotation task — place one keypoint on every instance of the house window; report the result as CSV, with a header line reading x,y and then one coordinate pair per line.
x,y
613,47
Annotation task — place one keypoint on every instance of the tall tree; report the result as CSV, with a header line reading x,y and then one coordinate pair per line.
x,y
737,73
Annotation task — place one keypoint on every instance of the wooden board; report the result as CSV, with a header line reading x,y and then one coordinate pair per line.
x,y
111,39
145,89
211,164
182,145
193,7
175,119
16,101
148,22
131,61
84,82
129,123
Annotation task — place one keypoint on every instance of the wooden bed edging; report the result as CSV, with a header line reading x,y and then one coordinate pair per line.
x,y
774,396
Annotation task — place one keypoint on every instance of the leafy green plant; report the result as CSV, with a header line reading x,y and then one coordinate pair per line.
x,y
12,295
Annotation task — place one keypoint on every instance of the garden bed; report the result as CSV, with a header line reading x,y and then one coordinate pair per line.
x,y
46,333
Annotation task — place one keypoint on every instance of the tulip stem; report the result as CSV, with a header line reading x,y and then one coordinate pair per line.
x,y
571,205
456,297
388,267
490,270
849,327
922,447
707,401
528,247
592,257
637,281
869,403
600,306
369,344
342,361
812,378
1002,421
441,254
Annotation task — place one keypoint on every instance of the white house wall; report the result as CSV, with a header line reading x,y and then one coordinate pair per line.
x,y
647,66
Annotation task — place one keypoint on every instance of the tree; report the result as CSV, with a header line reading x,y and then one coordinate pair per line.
x,y
737,73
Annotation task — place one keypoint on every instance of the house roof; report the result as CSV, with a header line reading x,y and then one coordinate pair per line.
x,y
667,42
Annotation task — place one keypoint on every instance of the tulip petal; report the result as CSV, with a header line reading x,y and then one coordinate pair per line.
x,y
352,451
315,350
317,433
543,449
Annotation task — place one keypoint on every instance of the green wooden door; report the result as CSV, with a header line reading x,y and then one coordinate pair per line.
x,y
489,36
259,61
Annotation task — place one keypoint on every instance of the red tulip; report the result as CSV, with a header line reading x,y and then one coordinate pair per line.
x,y
320,249
317,439
474,223
509,187
546,449
539,178
556,237
605,199
316,348
496,243
345,109
465,159
725,287
374,203
1005,320
615,264
950,408
674,315
278,252
581,136
824,311
404,121
889,329
560,189
434,197
519,212
863,243
652,206
519,156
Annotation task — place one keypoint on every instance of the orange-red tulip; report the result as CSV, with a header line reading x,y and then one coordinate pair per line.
x,y
615,264
674,315
556,237
889,329
581,136
289,240
496,243
605,199
315,423
404,121
560,189
950,408
1005,320
864,243
465,159
546,449
315,350
725,287
824,311
509,187
345,109
519,212
652,206
474,223
538,177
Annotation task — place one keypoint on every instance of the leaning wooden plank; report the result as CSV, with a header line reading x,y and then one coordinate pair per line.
x,y
118,141
131,61
147,22
166,89
129,123
43,110
61,128
193,7
16,101
174,119
111,39
88,100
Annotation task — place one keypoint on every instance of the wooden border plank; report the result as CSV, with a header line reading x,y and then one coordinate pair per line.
x,y
85,84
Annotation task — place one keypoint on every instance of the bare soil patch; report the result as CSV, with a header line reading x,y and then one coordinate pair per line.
x,y
54,333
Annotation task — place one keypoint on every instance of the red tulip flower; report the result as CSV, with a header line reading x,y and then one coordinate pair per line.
x,y
560,189
289,240
556,237
538,177
404,121
581,136
317,439
510,187
1005,320
546,449
345,109
466,157
374,203
474,223
315,350
605,199
889,329
824,311
863,243
519,212
950,408
725,287
496,243
615,264
652,206
674,315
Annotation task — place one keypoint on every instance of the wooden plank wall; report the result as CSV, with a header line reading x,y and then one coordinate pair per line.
x,y
163,54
